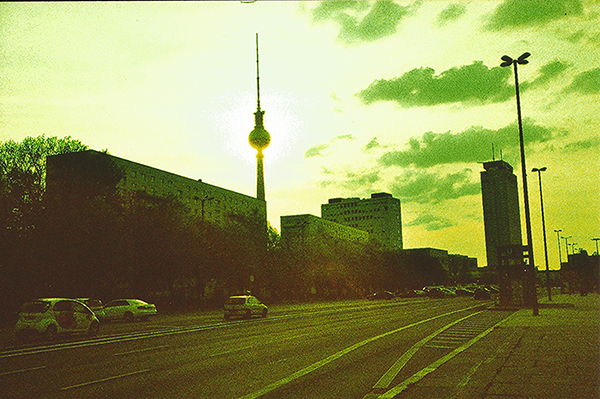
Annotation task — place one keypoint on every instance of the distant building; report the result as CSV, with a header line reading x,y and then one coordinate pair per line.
x,y
210,203
312,230
452,263
501,216
380,216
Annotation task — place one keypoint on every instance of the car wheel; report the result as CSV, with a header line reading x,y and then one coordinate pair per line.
x,y
50,333
264,313
227,317
145,318
248,314
94,329
128,317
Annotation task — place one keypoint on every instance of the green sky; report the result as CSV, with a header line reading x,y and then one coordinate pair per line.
x,y
406,97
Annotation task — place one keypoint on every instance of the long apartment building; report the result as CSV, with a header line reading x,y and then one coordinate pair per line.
x,y
309,229
211,203
380,216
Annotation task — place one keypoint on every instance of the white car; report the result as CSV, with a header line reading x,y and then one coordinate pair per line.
x,y
95,305
244,306
128,310
49,317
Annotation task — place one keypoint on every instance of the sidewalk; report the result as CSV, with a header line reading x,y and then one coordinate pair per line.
x,y
553,355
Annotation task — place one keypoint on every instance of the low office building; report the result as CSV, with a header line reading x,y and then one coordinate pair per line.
x,y
380,216
454,265
312,230
208,202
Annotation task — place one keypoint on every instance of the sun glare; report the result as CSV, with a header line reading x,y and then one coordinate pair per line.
x,y
237,121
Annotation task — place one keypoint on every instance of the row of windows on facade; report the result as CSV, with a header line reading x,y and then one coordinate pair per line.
x,y
194,199
348,212
352,204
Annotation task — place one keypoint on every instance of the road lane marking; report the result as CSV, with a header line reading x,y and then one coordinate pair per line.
x,y
105,340
335,356
104,379
140,350
22,371
433,366
174,330
385,381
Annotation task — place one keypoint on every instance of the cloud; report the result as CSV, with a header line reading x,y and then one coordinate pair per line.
x,y
593,142
473,83
331,9
471,145
354,182
343,137
424,187
381,19
431,222
451,13
372,144
587,82
522,13
547,73
315,151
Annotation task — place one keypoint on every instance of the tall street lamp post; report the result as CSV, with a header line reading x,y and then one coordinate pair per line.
x,y
573,248
567,245
596,239
549,287
559,254
532,294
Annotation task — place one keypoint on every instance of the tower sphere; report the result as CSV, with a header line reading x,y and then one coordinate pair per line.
x,y
259,138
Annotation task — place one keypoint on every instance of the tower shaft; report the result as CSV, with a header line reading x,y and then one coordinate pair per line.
x,y
260,176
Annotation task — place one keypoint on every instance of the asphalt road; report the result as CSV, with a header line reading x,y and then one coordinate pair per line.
x,y
357,349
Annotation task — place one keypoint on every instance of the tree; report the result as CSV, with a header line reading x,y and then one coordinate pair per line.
x,y
22,188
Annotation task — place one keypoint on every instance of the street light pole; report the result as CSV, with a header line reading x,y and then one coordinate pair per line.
x,y
549,287
573,248
531,267
559,254
567,245
596,239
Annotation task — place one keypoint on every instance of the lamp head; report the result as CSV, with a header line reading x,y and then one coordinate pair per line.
x,y
507,61
522,59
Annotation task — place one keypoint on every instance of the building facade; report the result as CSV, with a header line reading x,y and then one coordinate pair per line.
x,y
207,202
501,216
380,216
312,230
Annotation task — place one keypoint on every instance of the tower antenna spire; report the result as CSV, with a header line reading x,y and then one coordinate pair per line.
x,y
257,78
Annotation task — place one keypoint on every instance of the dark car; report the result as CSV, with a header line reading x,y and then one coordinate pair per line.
x,y
482,294
386,295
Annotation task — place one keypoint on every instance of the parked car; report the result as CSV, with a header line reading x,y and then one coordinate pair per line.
x,y
94,304
244,306
464,291
50,317
381,295
482,293
128,310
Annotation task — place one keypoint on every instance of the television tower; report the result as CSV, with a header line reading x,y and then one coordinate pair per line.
x,y
259,138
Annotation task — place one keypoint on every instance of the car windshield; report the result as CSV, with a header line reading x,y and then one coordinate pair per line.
x,y
35,307
95,303
236,301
